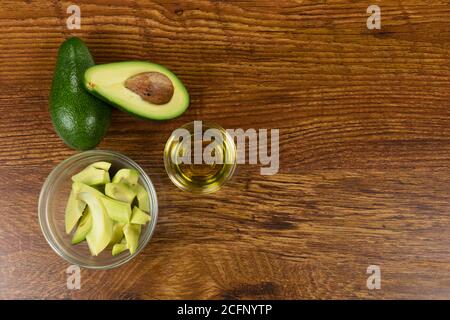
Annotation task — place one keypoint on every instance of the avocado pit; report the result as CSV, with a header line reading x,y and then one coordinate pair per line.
x,y
153,87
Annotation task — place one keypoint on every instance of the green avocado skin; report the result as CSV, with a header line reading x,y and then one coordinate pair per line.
x,y
80,119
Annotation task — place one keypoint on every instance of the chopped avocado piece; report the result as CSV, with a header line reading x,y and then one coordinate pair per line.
x,y
144,89
80,119
101,165
139,217
119,248
74,210
117,210
128,176
82,187
132,233
100,234
92,176
117,233
120,191
142,197
83,227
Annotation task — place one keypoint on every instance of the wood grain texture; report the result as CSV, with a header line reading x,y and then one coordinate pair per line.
x,y
364,123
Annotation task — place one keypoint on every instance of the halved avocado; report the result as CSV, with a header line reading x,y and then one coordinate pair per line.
x,y
144,89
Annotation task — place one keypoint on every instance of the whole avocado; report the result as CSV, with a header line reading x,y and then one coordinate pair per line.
x,y
80,119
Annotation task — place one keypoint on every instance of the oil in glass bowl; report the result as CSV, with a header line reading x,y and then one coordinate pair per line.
x,y
187,167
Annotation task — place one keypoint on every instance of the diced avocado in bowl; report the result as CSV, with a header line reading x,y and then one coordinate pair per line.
x,y
85,222
111,219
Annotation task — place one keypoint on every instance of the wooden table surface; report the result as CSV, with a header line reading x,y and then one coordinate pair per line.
x,y
364,125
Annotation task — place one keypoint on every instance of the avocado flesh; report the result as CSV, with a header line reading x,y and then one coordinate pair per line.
x,y
82,187
142,198
120,191
101,165
128,176
119,248
139,217
79,119
132,233
83,227
107,82
117,210
92,176
100,234
74,210
117,234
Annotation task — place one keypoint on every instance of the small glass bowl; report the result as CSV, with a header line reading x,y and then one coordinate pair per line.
x,y
53,200
195,132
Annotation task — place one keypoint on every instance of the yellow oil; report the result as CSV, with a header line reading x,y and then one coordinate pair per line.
x,y
201,178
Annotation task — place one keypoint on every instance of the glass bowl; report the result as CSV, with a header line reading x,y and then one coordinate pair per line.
x,y
200,177
53,200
